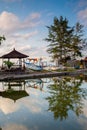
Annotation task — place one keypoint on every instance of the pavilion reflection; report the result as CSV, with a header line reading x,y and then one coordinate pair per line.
x,y
14,90
17,89
66,95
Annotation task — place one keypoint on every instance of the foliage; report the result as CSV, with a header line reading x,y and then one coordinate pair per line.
x,y
65,42
2,38
8,63
65,95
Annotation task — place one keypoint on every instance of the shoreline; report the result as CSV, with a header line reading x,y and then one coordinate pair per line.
x,y
32,75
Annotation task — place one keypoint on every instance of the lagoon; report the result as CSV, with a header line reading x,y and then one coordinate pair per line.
x,y
44,104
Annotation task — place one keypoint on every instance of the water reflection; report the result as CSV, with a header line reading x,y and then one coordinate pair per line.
x,y
35,83
14,90
17,89
65,95
14,127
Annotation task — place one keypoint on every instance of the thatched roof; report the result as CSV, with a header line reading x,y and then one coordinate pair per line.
x,y
14,95
14,54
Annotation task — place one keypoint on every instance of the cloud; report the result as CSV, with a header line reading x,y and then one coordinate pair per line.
x,y
21,34
85,108
82,16
35,15
5,107
25,35
78,4
31,21
82,3
33,105
25,48
35,51
12,126
10,23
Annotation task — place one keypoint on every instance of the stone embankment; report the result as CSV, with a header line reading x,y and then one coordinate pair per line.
x,y
15,76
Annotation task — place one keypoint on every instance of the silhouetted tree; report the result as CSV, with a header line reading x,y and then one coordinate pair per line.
x,y
64,40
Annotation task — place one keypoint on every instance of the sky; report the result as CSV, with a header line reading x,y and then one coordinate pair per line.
x,y
23,23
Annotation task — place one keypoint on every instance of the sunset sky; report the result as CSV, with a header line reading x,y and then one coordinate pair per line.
x,y
23,22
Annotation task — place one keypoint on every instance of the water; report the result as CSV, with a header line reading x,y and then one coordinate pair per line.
x,y
44,104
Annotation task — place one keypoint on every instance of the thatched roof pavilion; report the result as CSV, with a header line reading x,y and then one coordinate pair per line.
x,y
14,54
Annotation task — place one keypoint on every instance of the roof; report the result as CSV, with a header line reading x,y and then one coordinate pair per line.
x,y
14,54
14,95
85,58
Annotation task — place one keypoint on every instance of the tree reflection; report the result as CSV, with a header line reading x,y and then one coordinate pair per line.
x,y
65,95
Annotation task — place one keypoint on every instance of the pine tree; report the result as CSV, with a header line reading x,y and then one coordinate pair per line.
x,y
65,42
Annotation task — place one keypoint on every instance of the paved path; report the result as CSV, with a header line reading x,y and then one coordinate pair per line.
x,y
12,76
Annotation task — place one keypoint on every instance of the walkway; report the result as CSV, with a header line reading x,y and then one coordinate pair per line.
x,y
12,76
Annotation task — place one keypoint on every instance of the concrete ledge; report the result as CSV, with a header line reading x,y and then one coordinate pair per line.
x,y
13,76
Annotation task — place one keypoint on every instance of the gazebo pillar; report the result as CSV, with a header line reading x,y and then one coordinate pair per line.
x,y
23,64
2,63
20,63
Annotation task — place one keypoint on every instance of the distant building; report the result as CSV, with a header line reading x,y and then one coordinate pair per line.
x,y
78,63
84,62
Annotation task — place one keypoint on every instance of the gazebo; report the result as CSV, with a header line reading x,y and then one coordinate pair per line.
x,y
14,54
14,95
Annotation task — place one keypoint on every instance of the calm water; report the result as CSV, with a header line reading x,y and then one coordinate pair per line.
x,y
44,104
